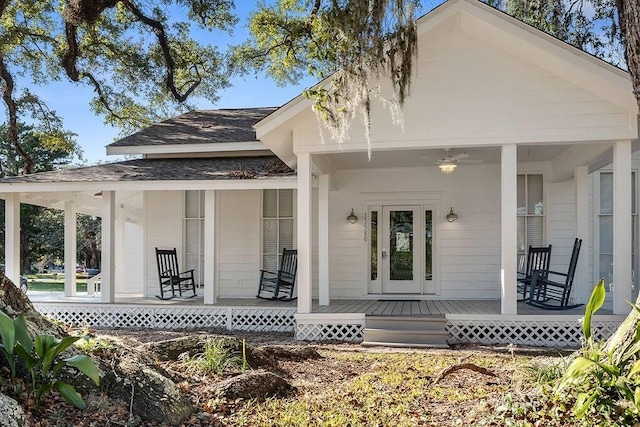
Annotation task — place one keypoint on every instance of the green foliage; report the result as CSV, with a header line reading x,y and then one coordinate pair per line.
x,y
41,359
604,382
219,359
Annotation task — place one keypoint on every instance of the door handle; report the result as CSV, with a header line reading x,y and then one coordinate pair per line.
x,y
384,254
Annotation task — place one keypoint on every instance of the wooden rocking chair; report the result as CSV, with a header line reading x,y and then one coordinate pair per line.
x,y
554,294
537,259
280,284
172,280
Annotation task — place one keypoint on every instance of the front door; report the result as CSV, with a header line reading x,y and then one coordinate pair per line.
x,y
400,249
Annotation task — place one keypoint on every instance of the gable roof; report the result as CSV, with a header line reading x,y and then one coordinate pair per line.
x,y
197,127
506,33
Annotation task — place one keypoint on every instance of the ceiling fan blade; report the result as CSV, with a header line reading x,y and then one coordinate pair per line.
x,y
471,162
460,156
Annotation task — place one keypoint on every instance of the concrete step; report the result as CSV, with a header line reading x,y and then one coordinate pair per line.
x,y
408,323
404,338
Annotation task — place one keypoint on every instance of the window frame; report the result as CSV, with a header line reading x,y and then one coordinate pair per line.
x,y
199,270
543,216
293,217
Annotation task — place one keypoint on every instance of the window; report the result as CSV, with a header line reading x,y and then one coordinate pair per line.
x,y
605,225
194,233
530,212
277,226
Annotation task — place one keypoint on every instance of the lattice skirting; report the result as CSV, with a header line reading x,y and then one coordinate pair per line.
x,y
544,333
175,317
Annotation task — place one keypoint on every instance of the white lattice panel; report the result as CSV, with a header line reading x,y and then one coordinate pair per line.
x,y
259,319
153,317
543,333
324,332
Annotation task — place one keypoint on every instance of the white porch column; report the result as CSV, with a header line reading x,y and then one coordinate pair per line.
x,y
12,237
304,233
107,262
323,239
119,281
622,227
582,283
509,229
210,207
70,249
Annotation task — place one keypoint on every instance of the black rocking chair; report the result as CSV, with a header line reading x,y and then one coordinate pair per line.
x,y
554,294
280,284
537,259
172,280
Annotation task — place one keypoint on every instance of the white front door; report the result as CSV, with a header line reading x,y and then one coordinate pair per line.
x,y
401,253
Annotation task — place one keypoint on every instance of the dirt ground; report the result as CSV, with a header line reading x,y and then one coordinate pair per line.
x,y
344,373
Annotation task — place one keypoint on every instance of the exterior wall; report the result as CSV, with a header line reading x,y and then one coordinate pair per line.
x,y
134,260
164,212
239,243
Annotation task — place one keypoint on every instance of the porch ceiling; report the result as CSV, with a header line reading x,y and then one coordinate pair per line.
x,y
429,157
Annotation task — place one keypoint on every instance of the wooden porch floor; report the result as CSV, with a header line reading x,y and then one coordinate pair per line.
x,y
368,306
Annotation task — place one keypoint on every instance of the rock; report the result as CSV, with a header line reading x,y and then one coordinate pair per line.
x,y
284,352
253,385
11,413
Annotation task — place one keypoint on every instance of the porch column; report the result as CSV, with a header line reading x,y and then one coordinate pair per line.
x,y
12,237
304,233
107,265
509,229
70,249
210,207
622,238
583,286
119,280
323,239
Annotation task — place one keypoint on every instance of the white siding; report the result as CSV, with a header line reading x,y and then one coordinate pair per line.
x,y
164,225
239,240
134,260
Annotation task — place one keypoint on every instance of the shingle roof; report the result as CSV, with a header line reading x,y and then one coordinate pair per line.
x,y
220,168
200,127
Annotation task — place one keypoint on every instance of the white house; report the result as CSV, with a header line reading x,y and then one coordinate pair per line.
x,y
548,135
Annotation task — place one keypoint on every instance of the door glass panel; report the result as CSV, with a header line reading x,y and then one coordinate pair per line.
x,y
428,249
401,245
374,245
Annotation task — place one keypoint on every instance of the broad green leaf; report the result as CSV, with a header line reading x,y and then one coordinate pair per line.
x,y
636,398
7,332
86,365
22,333
70,395
53,351
25,356
635,369
43,343
595,302
583,402
578,368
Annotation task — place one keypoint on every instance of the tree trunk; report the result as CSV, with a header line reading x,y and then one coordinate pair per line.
x,y
629,15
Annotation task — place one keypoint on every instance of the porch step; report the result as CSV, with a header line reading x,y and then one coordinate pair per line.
x,y
399,331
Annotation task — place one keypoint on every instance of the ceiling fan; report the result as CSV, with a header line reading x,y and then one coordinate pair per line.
x,y
448,163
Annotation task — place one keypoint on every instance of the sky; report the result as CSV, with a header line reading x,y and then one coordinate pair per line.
x,y
71,101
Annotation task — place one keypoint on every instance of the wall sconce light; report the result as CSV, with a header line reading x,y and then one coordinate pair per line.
x,y
447,168
352,218
451,216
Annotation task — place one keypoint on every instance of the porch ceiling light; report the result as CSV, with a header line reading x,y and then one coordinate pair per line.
x,y
447,168
352,218
451,216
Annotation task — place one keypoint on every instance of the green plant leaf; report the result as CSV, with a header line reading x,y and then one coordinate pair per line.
x,y
22,333
634,369
42,344
86,365
578,368
54,350
595,302
583,402
70,394
7,332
